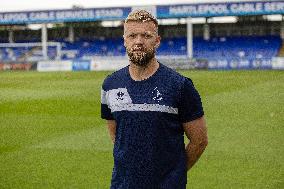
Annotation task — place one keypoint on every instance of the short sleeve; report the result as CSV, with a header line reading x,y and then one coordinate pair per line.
x,y
190,105
105,110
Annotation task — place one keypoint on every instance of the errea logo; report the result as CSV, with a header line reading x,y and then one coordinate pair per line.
x,y
119,95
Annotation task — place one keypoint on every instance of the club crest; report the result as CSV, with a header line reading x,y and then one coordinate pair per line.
x,y
157,95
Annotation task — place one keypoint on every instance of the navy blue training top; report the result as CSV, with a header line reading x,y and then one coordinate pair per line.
x,y
149,149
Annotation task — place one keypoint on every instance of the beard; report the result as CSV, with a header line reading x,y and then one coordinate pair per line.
x,y
141,57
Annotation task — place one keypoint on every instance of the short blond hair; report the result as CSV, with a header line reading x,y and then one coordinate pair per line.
x,y
141,16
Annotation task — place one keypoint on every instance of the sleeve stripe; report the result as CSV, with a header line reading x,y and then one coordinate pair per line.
x,y
103,97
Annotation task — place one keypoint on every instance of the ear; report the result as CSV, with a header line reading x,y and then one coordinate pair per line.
x,y
158,41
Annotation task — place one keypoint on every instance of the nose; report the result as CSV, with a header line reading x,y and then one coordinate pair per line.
x,y
139,39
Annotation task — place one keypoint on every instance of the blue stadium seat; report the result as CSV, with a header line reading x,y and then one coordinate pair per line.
x,y
249,47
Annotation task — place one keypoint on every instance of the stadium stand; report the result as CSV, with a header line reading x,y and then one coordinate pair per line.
x,y
249,38
249,47
236,47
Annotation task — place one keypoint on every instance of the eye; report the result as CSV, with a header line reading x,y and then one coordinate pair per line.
x,y
147,36
131,35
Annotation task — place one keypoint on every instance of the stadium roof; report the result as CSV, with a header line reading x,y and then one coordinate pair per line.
x,y
28,5
178,10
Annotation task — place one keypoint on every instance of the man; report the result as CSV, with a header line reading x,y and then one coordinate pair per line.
x,y
148,108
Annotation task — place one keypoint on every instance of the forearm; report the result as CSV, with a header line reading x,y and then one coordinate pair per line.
x,y
112,134
193,152
111,125
196,132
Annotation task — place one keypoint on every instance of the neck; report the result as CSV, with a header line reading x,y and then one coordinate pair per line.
x,y
139,73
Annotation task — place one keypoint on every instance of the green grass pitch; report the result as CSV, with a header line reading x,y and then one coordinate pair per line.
x,y
51,134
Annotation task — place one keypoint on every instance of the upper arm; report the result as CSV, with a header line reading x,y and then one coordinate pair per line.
x,y
196,131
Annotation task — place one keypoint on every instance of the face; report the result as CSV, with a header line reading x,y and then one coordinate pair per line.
x,y
141,41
